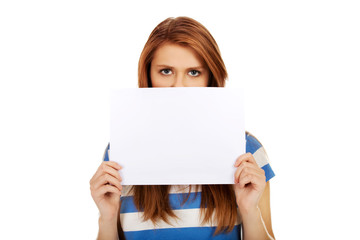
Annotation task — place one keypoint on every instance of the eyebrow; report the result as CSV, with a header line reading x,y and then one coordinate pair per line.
x,y
168,66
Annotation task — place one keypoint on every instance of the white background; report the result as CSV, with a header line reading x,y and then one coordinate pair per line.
x,y
298,62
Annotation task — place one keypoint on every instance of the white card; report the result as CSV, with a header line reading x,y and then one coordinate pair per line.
x,y
182,135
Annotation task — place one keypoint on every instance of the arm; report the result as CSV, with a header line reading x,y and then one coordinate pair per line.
x,y
106,188
111,228
264,206
253,198
257,222
107,229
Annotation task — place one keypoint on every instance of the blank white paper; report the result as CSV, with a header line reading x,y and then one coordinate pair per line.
x,y
183,135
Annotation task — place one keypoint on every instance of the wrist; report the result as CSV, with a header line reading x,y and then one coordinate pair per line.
x,y
251,218
107,220
109,215
247,210
249,213
107,228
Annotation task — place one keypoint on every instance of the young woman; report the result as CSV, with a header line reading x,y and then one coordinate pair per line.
x,y
180,52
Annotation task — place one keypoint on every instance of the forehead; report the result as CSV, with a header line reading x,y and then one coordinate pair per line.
x,y
177,56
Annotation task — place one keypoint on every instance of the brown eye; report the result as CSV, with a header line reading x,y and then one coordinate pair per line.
x,y
194,73
166,71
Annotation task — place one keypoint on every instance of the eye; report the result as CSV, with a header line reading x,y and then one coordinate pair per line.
x,y
194,73
166,71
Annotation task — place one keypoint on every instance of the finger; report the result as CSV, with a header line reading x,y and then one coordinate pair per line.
x,y
113,164
102,167
239,170
247,157
251,175
245,161
113,172
252,159
246,167
107,179
107,189
245,179
109,170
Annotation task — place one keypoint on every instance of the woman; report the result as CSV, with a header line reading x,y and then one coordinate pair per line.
x,y
180,52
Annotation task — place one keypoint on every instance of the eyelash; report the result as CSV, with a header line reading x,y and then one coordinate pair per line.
x,y
161,71
197,72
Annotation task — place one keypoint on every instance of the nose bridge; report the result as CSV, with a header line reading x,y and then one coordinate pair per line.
x,y
179,79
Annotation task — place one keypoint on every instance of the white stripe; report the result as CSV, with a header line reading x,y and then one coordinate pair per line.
x,y
183,188
187,218
261,157
125,190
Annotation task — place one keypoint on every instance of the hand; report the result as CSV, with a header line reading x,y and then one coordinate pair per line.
x,y
249,184
106,189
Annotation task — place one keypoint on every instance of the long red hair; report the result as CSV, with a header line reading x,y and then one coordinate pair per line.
x,y
185,32
153,200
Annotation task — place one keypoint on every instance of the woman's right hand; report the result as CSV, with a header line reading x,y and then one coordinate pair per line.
x,y
106,189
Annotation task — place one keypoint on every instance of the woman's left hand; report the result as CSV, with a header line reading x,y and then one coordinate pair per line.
x,y
249,184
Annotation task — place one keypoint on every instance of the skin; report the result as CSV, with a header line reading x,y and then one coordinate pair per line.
x,y
105,187
177,66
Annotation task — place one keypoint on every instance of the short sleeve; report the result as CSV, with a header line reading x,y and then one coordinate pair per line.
x,y
254,147
106,153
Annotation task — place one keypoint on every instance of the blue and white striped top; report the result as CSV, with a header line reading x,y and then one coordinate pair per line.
x,y
189,226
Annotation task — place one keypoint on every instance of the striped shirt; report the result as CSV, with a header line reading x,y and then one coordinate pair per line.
x,y
189,226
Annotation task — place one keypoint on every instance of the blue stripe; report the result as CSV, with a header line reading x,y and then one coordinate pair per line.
x,y
252,145
175,199
269,173
197,233
106,155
